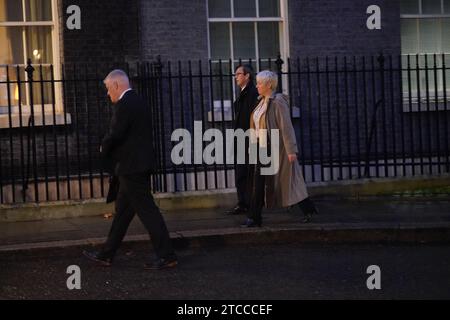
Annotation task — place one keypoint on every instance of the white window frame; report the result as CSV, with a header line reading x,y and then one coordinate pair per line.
x,y
422,15
48,108
283,38
423,103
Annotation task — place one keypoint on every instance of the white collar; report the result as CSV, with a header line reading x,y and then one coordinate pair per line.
x,y
123,93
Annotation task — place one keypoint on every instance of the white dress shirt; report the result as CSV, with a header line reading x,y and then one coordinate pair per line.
x,y
123,93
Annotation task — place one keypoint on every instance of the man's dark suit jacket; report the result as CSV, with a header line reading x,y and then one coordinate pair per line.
x,y
244,106
128,145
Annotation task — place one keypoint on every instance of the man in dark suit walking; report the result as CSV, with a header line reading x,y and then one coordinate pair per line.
x,y
243,107
129,145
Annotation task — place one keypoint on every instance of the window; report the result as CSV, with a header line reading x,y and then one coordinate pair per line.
x,y
249,31
425,30
27,30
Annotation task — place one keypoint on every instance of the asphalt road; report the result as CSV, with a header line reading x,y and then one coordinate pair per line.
x,y
235,272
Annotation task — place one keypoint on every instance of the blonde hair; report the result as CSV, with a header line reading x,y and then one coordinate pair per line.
x,y
268,78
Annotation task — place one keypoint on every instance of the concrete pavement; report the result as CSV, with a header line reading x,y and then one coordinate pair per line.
x,y
368,221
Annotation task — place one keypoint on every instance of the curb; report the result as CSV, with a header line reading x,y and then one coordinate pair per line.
x,y
333,233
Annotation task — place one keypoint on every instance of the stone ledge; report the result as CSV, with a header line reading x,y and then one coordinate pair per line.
x,y
39,120
354,189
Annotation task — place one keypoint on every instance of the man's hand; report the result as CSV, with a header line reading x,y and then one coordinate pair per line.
x,y
292,158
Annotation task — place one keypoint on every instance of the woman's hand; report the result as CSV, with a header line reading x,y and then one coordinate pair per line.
x,y
292,158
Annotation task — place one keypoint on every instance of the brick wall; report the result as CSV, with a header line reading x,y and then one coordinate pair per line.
x,y
109,32
330,27
131,30
176,29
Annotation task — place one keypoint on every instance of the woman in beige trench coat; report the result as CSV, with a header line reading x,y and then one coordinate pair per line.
x,y
286,187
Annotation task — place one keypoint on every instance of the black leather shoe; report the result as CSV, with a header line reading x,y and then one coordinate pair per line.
x,y
97,258
162,263
308,216
237,210
250,223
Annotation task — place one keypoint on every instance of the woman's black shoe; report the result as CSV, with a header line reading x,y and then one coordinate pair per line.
x,y
308,216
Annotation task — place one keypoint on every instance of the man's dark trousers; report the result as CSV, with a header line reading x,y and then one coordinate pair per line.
x,y
241,176
244,106
134,197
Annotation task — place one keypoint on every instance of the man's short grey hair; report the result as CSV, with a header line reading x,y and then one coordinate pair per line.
x,y
118,75
268,77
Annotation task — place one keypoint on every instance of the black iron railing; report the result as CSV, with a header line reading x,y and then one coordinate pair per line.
x,y
355,117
